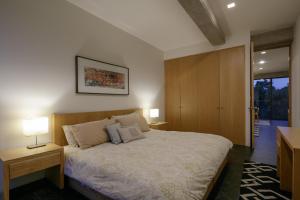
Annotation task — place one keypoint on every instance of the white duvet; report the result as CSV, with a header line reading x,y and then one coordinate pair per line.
x,y
164,165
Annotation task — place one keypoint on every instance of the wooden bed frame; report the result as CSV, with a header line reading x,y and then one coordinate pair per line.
x,y
60,119
58,137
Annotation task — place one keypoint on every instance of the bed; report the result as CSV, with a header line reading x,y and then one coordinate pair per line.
x,y
164,165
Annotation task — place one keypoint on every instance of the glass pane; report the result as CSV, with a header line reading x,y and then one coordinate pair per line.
x,y
280,99
262,97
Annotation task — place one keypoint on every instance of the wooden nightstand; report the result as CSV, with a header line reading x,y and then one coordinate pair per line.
x,y
159,125
23,161
289,160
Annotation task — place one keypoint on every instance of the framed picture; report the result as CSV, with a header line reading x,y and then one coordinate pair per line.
x,y
97,77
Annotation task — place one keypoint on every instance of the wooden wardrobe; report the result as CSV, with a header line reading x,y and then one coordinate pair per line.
x,y
206,93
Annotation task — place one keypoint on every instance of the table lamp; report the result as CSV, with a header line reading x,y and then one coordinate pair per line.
x,y
35,127
154,113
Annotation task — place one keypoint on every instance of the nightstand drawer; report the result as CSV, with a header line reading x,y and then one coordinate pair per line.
x,y
34,164
23,161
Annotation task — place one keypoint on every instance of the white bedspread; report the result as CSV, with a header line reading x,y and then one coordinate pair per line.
x,y
164,165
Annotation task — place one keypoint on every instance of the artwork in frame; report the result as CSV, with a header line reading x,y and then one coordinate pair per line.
x,y
97,77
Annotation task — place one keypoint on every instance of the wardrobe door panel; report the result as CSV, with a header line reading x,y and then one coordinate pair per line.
x,y
208,93
172,94
232,93
189,93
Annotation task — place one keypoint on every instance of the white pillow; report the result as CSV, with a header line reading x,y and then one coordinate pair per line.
x,y
69,135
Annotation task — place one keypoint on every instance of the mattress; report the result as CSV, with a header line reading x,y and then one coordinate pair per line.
x,y
164,165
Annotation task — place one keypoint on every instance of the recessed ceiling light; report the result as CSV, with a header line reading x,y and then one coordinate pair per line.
x,y
260,68
231,5
263,52
262,62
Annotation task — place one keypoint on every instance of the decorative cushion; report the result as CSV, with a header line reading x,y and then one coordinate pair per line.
x,y
69,135
131,119
130,133
91,133
113,133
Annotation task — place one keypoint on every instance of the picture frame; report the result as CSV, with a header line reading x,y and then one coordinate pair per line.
x,y
98,77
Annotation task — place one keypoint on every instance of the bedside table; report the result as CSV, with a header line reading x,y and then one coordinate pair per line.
x,y
159,126
23,161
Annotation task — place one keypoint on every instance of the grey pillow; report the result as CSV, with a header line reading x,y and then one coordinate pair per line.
x,y
113,133
130,133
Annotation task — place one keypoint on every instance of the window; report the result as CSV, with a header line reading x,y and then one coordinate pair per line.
x,y
271,97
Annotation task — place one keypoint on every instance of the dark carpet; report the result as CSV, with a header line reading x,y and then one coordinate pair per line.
x,y
44,190
260,181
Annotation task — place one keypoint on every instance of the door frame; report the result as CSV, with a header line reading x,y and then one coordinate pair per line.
x,y
290,86
251,108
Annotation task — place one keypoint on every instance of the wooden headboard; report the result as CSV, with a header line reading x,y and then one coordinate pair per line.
x,y
60,119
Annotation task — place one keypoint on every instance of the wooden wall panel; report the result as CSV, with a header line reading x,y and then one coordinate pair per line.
x,y
232,93
189,93
197,78
206,93
172,94
209,93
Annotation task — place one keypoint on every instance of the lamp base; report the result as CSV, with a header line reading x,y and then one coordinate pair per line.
x,y
35,146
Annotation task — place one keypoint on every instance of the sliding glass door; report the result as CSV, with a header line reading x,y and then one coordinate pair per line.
x,y
271,98
280,99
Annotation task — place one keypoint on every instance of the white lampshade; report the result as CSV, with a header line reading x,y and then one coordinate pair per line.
x,y
154,113
36,126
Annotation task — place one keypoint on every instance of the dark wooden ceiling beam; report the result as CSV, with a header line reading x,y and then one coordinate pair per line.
x,y
204,18
272,75
273,39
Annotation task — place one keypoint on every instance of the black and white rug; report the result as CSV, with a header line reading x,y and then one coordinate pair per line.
x,y
260,181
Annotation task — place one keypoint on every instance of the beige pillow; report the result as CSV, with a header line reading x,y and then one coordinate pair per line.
x,y
131,119
117,117
91,133
128,120
143,124
69,135
130,133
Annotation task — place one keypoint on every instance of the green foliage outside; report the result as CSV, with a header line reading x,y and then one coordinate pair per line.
x,y
272,103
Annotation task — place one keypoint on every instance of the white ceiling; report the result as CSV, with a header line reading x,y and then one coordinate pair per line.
x,y
162,23
277,60
165,24
256,15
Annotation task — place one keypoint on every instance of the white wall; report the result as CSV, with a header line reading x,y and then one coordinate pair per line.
x,y
296,76
242,38
38,43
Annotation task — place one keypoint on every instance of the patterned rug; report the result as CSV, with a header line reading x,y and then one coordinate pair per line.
x,y
260,181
